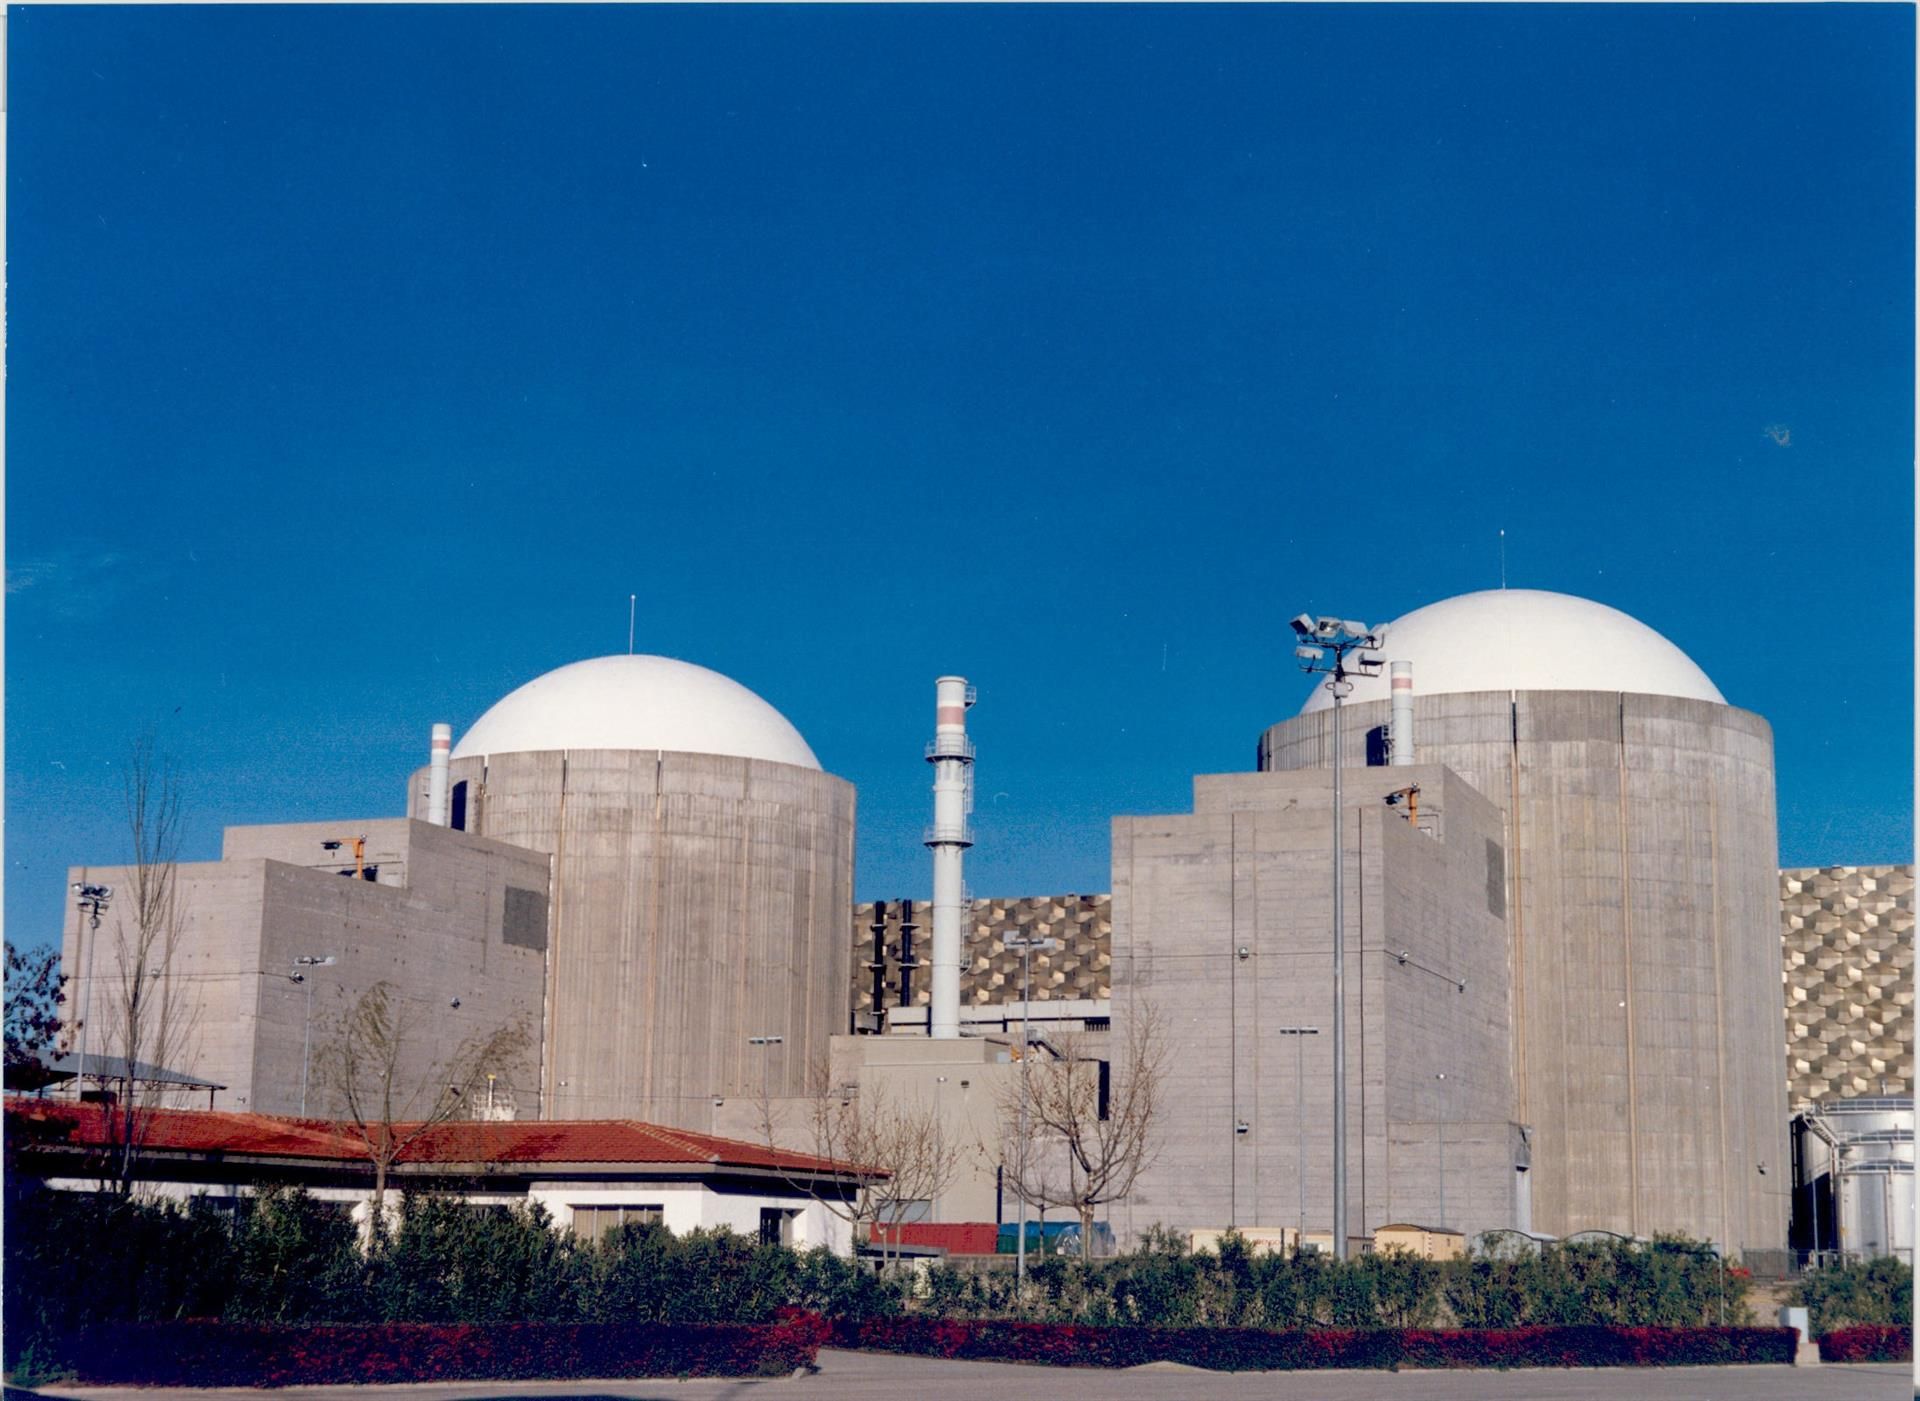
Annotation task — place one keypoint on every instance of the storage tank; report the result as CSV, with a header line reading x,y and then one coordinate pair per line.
x,y
702,874
1643,901
1856,1163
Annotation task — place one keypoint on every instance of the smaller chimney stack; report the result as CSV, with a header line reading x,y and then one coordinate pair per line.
x,y
437,775
1400,735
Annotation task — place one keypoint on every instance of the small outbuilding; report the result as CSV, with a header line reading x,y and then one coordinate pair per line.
x,y
590,1175
1427,1242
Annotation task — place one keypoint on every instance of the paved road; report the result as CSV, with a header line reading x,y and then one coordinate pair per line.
x,y
853,1376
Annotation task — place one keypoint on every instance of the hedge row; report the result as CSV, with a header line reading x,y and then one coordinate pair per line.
x,y
1247,1349
1868,1342
202,1352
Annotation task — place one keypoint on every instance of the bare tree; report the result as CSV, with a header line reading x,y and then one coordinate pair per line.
x,y
1078,1130
388,1095
149,1020
901,1151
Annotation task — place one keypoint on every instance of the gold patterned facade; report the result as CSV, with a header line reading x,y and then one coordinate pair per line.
x,y
1847,933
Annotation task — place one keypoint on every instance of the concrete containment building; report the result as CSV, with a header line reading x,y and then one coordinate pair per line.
x,y
702,876
1643,907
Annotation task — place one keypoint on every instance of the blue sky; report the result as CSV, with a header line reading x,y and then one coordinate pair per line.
x,y
362,362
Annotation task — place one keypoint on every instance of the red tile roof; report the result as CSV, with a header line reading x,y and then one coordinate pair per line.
x,y
529,1141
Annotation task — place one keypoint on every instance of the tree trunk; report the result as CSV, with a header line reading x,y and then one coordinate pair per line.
x,y
1086,1231
128,1123
377,1226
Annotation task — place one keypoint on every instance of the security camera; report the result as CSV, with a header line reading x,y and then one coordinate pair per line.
x,y
454,1003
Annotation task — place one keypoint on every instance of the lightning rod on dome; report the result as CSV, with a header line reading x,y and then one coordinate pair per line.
x,y
1503,561
633,600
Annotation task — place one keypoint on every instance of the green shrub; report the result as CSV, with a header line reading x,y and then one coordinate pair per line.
x,y
826,1284
1865,1291
80,1258
296,1260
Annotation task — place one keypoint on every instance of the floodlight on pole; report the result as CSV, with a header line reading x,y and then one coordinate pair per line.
x,y
296,977
92,900
1340,636
1025,946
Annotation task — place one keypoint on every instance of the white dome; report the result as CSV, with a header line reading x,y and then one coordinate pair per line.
x,y
1529,640
637,703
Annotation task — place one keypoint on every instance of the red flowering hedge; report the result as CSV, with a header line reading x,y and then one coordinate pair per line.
x,y
203,1352
1868,1342
1247,1349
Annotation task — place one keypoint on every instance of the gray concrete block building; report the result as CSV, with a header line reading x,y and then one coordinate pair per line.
x,y
445,917
1221,922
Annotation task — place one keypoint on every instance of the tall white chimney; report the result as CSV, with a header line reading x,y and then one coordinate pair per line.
x,y
1400,733
951,754
437,775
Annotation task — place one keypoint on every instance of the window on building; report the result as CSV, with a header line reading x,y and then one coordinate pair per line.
x,y
593,1222
777,1225
457,817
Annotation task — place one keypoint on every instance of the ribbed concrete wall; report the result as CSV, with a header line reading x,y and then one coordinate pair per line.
x,y
1644,908
1250,869
697,901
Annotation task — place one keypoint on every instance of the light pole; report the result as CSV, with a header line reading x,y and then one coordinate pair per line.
x,y
1024,946
1299,1035
1441,1124
306,1056
93,901
1318,636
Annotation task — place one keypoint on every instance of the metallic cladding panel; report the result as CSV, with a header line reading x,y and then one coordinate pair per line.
x,y
1641,861
1847,940
1081,968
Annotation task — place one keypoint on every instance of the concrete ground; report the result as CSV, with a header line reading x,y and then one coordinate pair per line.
x,y
854,1376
